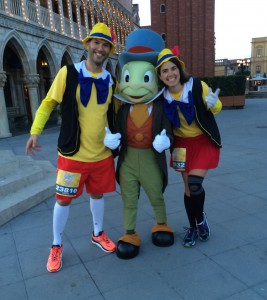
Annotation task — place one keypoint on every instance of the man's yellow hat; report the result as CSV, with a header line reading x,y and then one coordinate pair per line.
x,y
102,31
166,54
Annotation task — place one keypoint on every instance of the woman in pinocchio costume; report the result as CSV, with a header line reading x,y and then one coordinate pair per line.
x,y
145,135
190,105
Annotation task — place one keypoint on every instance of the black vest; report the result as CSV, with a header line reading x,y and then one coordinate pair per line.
x,y
205,118
70,131
69,136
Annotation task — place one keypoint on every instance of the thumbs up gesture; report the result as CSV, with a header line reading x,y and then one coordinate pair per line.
x,y
212,98
112,141
161,141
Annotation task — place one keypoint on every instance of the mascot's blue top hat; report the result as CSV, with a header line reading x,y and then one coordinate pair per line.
x,y
142,45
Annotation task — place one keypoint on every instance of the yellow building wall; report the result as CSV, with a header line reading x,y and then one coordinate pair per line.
x,y
259,56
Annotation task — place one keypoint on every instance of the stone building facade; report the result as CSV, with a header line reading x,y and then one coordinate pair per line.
x,y
189,24
37,38
259,56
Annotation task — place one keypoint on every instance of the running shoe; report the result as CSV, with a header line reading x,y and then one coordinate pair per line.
x,y
103,242
203,229
54,262
190,237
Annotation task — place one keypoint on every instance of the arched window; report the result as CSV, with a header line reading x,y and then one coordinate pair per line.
x,y
163,35
162,8
258,52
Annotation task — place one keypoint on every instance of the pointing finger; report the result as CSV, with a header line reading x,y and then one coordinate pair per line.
x,y
217,92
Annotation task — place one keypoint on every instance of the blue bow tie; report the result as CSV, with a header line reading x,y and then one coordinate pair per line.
x,y
102,88
187,110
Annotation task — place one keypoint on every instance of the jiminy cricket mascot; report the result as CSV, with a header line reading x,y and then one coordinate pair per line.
x,y
143,133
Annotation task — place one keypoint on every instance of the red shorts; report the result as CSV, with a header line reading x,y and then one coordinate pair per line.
x,y
72,176
194,153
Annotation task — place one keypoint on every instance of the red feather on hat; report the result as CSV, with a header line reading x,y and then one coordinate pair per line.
x,y
175,50
113,36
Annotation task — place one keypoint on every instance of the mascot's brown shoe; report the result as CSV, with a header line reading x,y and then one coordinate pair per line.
x,y
162,235
128,246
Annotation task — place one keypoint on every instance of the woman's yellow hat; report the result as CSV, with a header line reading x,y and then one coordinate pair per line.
x,y
166,54
102,31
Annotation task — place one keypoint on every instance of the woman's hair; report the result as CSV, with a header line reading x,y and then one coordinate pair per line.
x,y
184,77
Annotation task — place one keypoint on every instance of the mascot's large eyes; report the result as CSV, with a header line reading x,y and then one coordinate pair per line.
x,y
148,77
126,76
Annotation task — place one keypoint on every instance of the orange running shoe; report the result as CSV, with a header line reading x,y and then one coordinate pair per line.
x,y
54,262
103,242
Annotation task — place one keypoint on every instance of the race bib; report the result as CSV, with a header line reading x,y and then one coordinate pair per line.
x,y
67,183
179,159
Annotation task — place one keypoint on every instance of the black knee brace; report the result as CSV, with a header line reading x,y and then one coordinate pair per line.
x,y
195,184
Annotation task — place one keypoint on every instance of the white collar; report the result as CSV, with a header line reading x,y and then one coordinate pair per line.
x,y
82,66
184,96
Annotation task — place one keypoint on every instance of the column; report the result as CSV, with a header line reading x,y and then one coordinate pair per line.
x,y
86,20
4,126
91,14
61,14
24,9
37,5
51,15
32,82
77,9
70,18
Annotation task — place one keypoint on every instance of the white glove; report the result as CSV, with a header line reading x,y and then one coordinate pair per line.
x,y
212,98
112,141
161,142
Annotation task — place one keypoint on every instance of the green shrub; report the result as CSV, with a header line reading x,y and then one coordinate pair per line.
x,y
229,85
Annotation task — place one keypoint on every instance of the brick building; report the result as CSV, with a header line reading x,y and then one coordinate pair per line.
x,y
189,24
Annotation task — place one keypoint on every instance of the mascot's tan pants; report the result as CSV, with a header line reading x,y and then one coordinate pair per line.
x,y
141,169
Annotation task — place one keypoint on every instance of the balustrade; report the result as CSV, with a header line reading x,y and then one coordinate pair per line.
x,y
14,7
30,14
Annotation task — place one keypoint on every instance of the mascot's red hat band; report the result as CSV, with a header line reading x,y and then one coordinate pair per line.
x,y
142,45
140,49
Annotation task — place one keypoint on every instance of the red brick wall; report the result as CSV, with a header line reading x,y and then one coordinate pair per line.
x,y
189,24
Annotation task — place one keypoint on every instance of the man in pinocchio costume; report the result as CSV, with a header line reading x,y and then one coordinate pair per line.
x,y
145,133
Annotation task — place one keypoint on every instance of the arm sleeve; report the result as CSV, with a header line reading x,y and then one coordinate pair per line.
x,y
52,99
205,91
42,115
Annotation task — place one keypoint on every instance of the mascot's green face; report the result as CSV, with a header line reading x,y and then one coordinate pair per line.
x,y
139,82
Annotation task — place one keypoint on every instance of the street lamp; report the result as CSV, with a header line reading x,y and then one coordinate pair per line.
x,y
243,65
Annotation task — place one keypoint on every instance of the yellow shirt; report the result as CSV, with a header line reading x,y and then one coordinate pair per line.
x,y
92,119
193,130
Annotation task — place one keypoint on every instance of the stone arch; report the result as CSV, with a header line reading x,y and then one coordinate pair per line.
x,y
46,67
67,57
20,48
84,55
45,46
16,61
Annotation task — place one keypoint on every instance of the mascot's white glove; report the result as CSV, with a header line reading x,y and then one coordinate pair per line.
x,y
212,98
112,141
161,141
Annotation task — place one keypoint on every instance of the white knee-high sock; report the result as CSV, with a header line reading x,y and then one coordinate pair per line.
x,y
60,217
97,207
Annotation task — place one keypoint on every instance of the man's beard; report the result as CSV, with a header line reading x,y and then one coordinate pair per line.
x,y
99,63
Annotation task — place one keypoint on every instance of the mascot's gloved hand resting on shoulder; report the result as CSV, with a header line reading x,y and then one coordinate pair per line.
x,y
144,133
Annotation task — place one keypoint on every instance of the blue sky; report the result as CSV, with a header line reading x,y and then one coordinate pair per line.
x,y
236,23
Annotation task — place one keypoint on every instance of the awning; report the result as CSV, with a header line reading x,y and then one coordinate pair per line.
x,y
258,78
